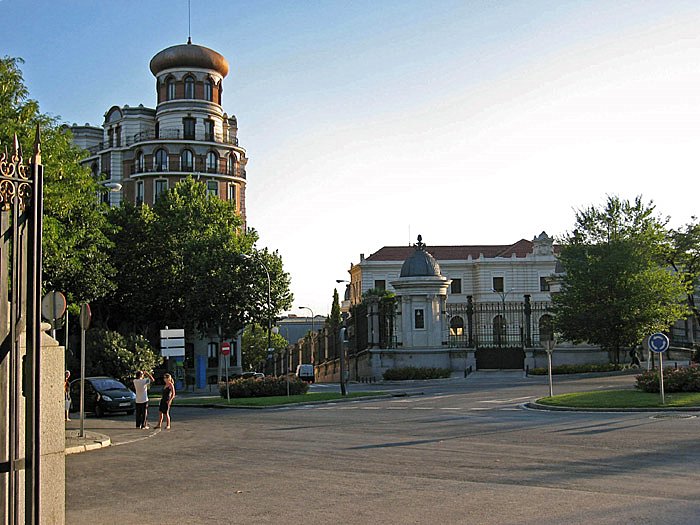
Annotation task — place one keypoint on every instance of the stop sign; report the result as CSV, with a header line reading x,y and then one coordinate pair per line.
x,y
225,348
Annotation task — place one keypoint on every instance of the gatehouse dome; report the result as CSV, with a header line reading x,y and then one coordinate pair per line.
x,y
420,263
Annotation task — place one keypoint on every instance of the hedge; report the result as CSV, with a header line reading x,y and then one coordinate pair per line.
x,y
577,369
675,380
411,372
263,387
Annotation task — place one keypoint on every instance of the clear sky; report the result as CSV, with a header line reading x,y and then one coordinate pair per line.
x,y
368,122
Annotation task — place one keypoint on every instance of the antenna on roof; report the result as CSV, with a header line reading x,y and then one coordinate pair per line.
x,y
409,235
189,22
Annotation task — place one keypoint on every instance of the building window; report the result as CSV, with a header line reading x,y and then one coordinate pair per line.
x,y
209,90
189,87
457,326
139,192
544,284
232,194
188,128
170,89
379,284
213,188
140,162
110,137
232,165
186,160
160,186
418,319
213,355
161,160
498,284
456,286
118,134
209,130
212,162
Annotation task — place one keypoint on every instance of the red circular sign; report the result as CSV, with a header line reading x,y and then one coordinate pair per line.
x,y
225,348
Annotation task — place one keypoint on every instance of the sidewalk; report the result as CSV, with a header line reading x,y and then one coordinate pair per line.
x,y
91,441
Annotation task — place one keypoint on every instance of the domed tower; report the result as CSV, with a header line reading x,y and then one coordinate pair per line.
x,y
147,151
422,292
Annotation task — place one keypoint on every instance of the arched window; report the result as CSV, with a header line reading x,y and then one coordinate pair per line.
x,y
186,160
457,326
208,90
160,160
212,162
189,87
140,162
499,330
231,164
546,328
170,89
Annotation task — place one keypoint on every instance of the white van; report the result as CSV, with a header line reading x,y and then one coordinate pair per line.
x,y
305,373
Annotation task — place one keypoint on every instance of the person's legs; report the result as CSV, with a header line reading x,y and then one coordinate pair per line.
x,y
160,419
140,414
167,420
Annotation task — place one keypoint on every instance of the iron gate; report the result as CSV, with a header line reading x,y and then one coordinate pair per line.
x,y
21,209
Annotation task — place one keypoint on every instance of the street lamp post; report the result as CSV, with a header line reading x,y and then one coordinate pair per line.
x,y
312,330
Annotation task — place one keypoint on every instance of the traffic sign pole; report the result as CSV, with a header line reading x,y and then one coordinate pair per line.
x,y
659,343
225,351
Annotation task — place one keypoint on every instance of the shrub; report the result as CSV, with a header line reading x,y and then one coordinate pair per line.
x,y
577,369
411,372
263,387
675,380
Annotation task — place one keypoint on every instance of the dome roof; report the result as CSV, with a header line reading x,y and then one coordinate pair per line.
x,y
189,55
420,263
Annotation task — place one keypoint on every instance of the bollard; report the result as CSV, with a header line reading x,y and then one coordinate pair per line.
x,y
527,370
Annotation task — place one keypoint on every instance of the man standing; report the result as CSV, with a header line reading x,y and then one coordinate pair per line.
x,y
141,390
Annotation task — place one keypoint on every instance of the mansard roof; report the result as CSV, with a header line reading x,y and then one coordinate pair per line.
x,y
522,248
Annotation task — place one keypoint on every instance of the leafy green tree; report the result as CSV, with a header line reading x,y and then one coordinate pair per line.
x,y
617,287
255,346
685,259
188,262
112,354
74,241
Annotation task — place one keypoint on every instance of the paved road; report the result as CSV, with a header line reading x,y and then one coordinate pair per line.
x,y
462,452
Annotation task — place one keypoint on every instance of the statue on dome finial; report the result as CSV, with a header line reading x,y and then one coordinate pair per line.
x,y
419,244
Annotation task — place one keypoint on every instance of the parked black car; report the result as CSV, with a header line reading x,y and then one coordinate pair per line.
x,y
103,395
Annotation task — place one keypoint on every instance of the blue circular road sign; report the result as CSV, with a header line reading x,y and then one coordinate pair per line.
x,y
658,342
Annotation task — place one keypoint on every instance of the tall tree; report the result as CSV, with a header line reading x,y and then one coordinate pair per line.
x,y
685,259
617,287
187,262
75,260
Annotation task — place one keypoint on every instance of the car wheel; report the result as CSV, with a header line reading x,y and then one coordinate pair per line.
x,y
99,411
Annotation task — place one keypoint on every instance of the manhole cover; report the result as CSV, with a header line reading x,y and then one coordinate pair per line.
x,y
672,416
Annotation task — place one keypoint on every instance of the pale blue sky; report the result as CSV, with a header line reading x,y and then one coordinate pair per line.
x,y
467,122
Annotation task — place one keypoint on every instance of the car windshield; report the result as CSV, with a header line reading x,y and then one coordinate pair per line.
x,y
107,384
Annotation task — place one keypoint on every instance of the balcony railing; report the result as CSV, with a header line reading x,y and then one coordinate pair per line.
x,y
177,168
168,134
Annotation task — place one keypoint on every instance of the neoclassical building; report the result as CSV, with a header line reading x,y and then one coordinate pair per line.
x,y
458,307
141,152
144,151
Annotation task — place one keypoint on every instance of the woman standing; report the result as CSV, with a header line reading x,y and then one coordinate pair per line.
x,y
165,401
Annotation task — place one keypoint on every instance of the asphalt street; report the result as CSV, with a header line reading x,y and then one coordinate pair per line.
x,y
453,451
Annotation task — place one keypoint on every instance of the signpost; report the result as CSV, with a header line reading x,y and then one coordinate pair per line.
x,y
172,344
658,343
226,351
85,317
53,306
549,348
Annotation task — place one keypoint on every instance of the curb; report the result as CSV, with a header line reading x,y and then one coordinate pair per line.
x,y
91,441
534,405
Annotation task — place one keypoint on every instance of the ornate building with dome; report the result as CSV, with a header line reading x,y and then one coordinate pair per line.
x,y
140,152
